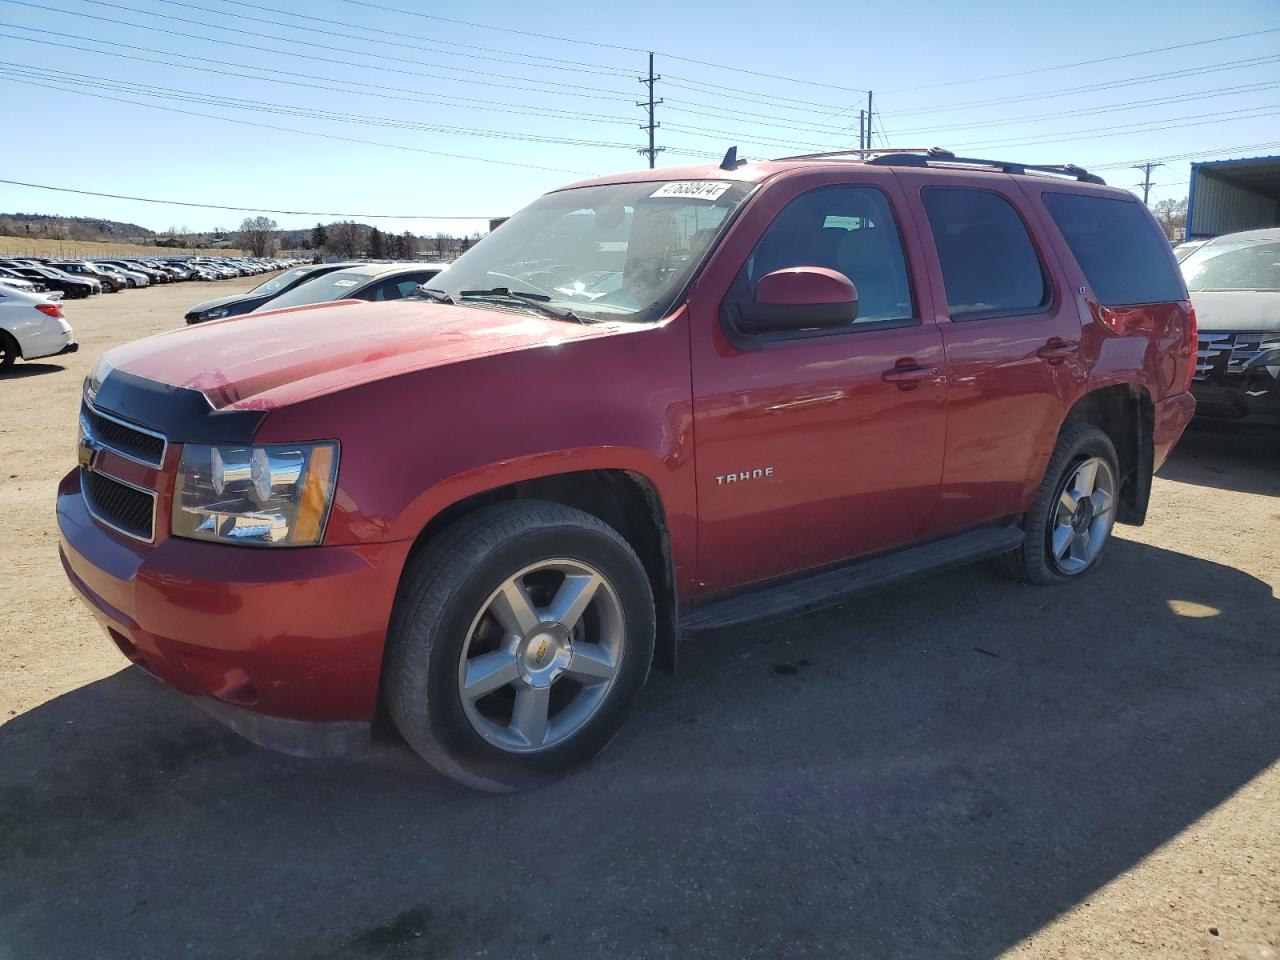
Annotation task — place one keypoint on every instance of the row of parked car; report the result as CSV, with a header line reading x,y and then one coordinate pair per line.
x,y
322,283
32,325
79,278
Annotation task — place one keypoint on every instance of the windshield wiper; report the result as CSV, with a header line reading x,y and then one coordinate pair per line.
x,y
539,301
439,296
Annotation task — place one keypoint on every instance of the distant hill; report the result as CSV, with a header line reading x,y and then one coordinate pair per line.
x,y
70,228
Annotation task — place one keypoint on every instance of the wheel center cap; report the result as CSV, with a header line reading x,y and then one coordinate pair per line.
x,y
1083,515
544,654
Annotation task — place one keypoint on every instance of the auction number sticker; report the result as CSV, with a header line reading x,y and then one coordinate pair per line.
x,y
345,283
692,189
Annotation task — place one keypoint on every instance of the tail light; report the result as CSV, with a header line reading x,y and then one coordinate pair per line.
x,y
50,309
1193,332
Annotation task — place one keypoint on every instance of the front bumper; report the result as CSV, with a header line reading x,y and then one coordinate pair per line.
x,y
1251,403
282,635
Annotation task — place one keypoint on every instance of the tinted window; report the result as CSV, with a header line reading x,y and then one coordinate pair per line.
x,y
989,264
849,229
1122,254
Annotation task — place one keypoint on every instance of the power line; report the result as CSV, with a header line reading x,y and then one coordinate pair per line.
x,y
429,40
307,133
1092,88
381,91
1203,119
1216,151
577,92
237,103
218,206
613,46
330,48
1112,108
1083,63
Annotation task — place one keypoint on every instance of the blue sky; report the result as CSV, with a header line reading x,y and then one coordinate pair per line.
x,y
407,82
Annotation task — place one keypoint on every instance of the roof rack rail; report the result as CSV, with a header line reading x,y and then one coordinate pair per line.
x,y
923,156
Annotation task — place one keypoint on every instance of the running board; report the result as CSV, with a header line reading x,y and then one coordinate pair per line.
x,y
833,587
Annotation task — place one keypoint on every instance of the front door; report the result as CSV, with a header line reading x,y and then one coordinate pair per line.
x,y
817,446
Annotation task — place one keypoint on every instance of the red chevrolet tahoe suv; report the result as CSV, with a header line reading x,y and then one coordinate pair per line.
x,y
647,406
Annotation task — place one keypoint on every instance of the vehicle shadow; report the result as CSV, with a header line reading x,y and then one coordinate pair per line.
x,y
1243,462
928,773
20,370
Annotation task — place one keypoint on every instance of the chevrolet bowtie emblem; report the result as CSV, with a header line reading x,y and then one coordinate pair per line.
x,y
87,452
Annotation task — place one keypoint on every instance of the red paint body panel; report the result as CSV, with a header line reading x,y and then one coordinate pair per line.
x,y
833,454
289,633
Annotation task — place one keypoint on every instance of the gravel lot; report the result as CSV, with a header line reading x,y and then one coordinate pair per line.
x,y
957,770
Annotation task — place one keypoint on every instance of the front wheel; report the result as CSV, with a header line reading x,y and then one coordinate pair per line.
x,y
519,639
1070,521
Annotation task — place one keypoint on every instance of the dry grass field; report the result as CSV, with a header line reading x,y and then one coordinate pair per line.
x,y
44,247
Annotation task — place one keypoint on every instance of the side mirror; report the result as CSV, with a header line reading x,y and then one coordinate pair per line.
x,y
800,298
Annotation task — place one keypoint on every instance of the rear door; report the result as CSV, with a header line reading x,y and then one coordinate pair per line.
x,y
815,446
1012,340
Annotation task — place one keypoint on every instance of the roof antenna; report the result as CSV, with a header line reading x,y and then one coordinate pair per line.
x,y
730,161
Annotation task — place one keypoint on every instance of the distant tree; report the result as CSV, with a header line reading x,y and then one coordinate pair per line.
x,y
1172,217
442,245
377,244
346,239
319,236
408,245
257,235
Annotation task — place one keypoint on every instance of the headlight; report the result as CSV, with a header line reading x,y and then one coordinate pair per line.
x,y
275,495
214,314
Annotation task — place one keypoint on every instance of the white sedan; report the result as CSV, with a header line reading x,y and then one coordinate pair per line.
x,y
32,326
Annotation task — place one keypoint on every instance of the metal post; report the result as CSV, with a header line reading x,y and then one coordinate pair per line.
x,y
1146,169
651,151
870,116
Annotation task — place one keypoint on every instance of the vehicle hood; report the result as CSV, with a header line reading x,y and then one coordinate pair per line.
x,y
265,360
1242,310
220,302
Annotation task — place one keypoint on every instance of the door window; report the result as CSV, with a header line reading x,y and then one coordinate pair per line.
x,y
846,228
989,264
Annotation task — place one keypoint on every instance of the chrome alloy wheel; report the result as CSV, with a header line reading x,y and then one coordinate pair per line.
x,y
1083,516
541,656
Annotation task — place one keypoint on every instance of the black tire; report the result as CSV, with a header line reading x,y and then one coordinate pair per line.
x,y
444,589
9,351
1032,562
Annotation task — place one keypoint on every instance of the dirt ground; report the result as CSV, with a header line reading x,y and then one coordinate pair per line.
x,y
969,769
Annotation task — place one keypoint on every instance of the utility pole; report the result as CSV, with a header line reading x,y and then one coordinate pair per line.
x,y
1146,169
651,151
862,129
870,115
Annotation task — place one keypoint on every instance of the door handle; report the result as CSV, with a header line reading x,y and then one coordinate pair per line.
x,y
907,374
1057,350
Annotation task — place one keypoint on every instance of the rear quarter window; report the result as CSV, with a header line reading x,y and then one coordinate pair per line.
x,y
1122,254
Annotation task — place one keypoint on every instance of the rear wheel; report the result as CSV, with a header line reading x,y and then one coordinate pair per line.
x,y
9,351
1070,521
518,642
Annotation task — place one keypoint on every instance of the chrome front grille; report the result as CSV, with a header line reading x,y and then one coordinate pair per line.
x,y
113,501
121,506
1230,353
127,439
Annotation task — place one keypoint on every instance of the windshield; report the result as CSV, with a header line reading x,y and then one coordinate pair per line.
x,y
330,286
615,252
280,281
1234,265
